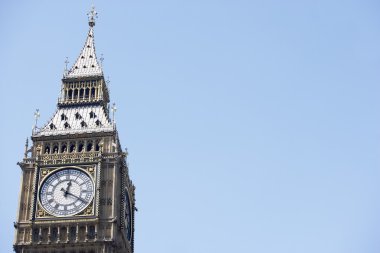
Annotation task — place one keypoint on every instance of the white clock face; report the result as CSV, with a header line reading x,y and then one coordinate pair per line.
x,y
66,192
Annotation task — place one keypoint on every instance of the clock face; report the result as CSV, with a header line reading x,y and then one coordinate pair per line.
x,y
128,219
66,192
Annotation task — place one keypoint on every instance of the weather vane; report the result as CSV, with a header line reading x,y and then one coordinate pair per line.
x,y
91,16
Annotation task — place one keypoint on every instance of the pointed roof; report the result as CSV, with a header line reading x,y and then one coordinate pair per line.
x,y
86,63
82,119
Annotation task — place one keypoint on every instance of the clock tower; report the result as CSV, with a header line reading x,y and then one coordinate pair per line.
x,y
76,195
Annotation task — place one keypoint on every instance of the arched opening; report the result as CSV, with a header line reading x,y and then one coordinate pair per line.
x,y
72,234
63,234
70,94
55,148
54,234
89,146
93,93
72,147
97,146
47,149
44,234
82,233
80,147
92,115
63,148
91,233
81,93
63,116
87,93
75,94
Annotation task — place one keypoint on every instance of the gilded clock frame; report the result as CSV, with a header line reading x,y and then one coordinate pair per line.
x,y
44,172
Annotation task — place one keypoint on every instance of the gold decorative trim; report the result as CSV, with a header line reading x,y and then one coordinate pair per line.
x,y
70,158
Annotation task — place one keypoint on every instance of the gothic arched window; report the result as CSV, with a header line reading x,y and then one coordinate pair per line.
x,y
72,147
97,146
80,147
55,148
70,94
87,93
64,148
47,149
89,146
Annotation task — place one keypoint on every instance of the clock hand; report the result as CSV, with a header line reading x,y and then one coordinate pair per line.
x,y
65,192
83,200
67,188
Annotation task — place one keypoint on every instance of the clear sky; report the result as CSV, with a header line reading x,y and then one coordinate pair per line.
x,y
252,126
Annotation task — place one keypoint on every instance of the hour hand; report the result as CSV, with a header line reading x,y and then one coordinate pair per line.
x,y
64,192
67,188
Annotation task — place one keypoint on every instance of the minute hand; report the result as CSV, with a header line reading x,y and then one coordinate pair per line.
x,y
81,199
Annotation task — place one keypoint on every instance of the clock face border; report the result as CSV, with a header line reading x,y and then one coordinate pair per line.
x,y
46,173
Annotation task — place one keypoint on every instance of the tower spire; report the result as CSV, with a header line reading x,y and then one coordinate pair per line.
x,y
87,64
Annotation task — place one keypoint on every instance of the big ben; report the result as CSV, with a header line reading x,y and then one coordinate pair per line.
x,y
76,195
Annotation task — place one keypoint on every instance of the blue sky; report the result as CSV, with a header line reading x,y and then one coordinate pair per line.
x,y
252,126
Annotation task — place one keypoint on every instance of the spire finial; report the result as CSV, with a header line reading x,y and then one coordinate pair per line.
x,y
113,112
108,82
26,148
66,62
91,16
36,116
101,60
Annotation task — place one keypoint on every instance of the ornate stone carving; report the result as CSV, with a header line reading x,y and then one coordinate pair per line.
x,y
71,158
